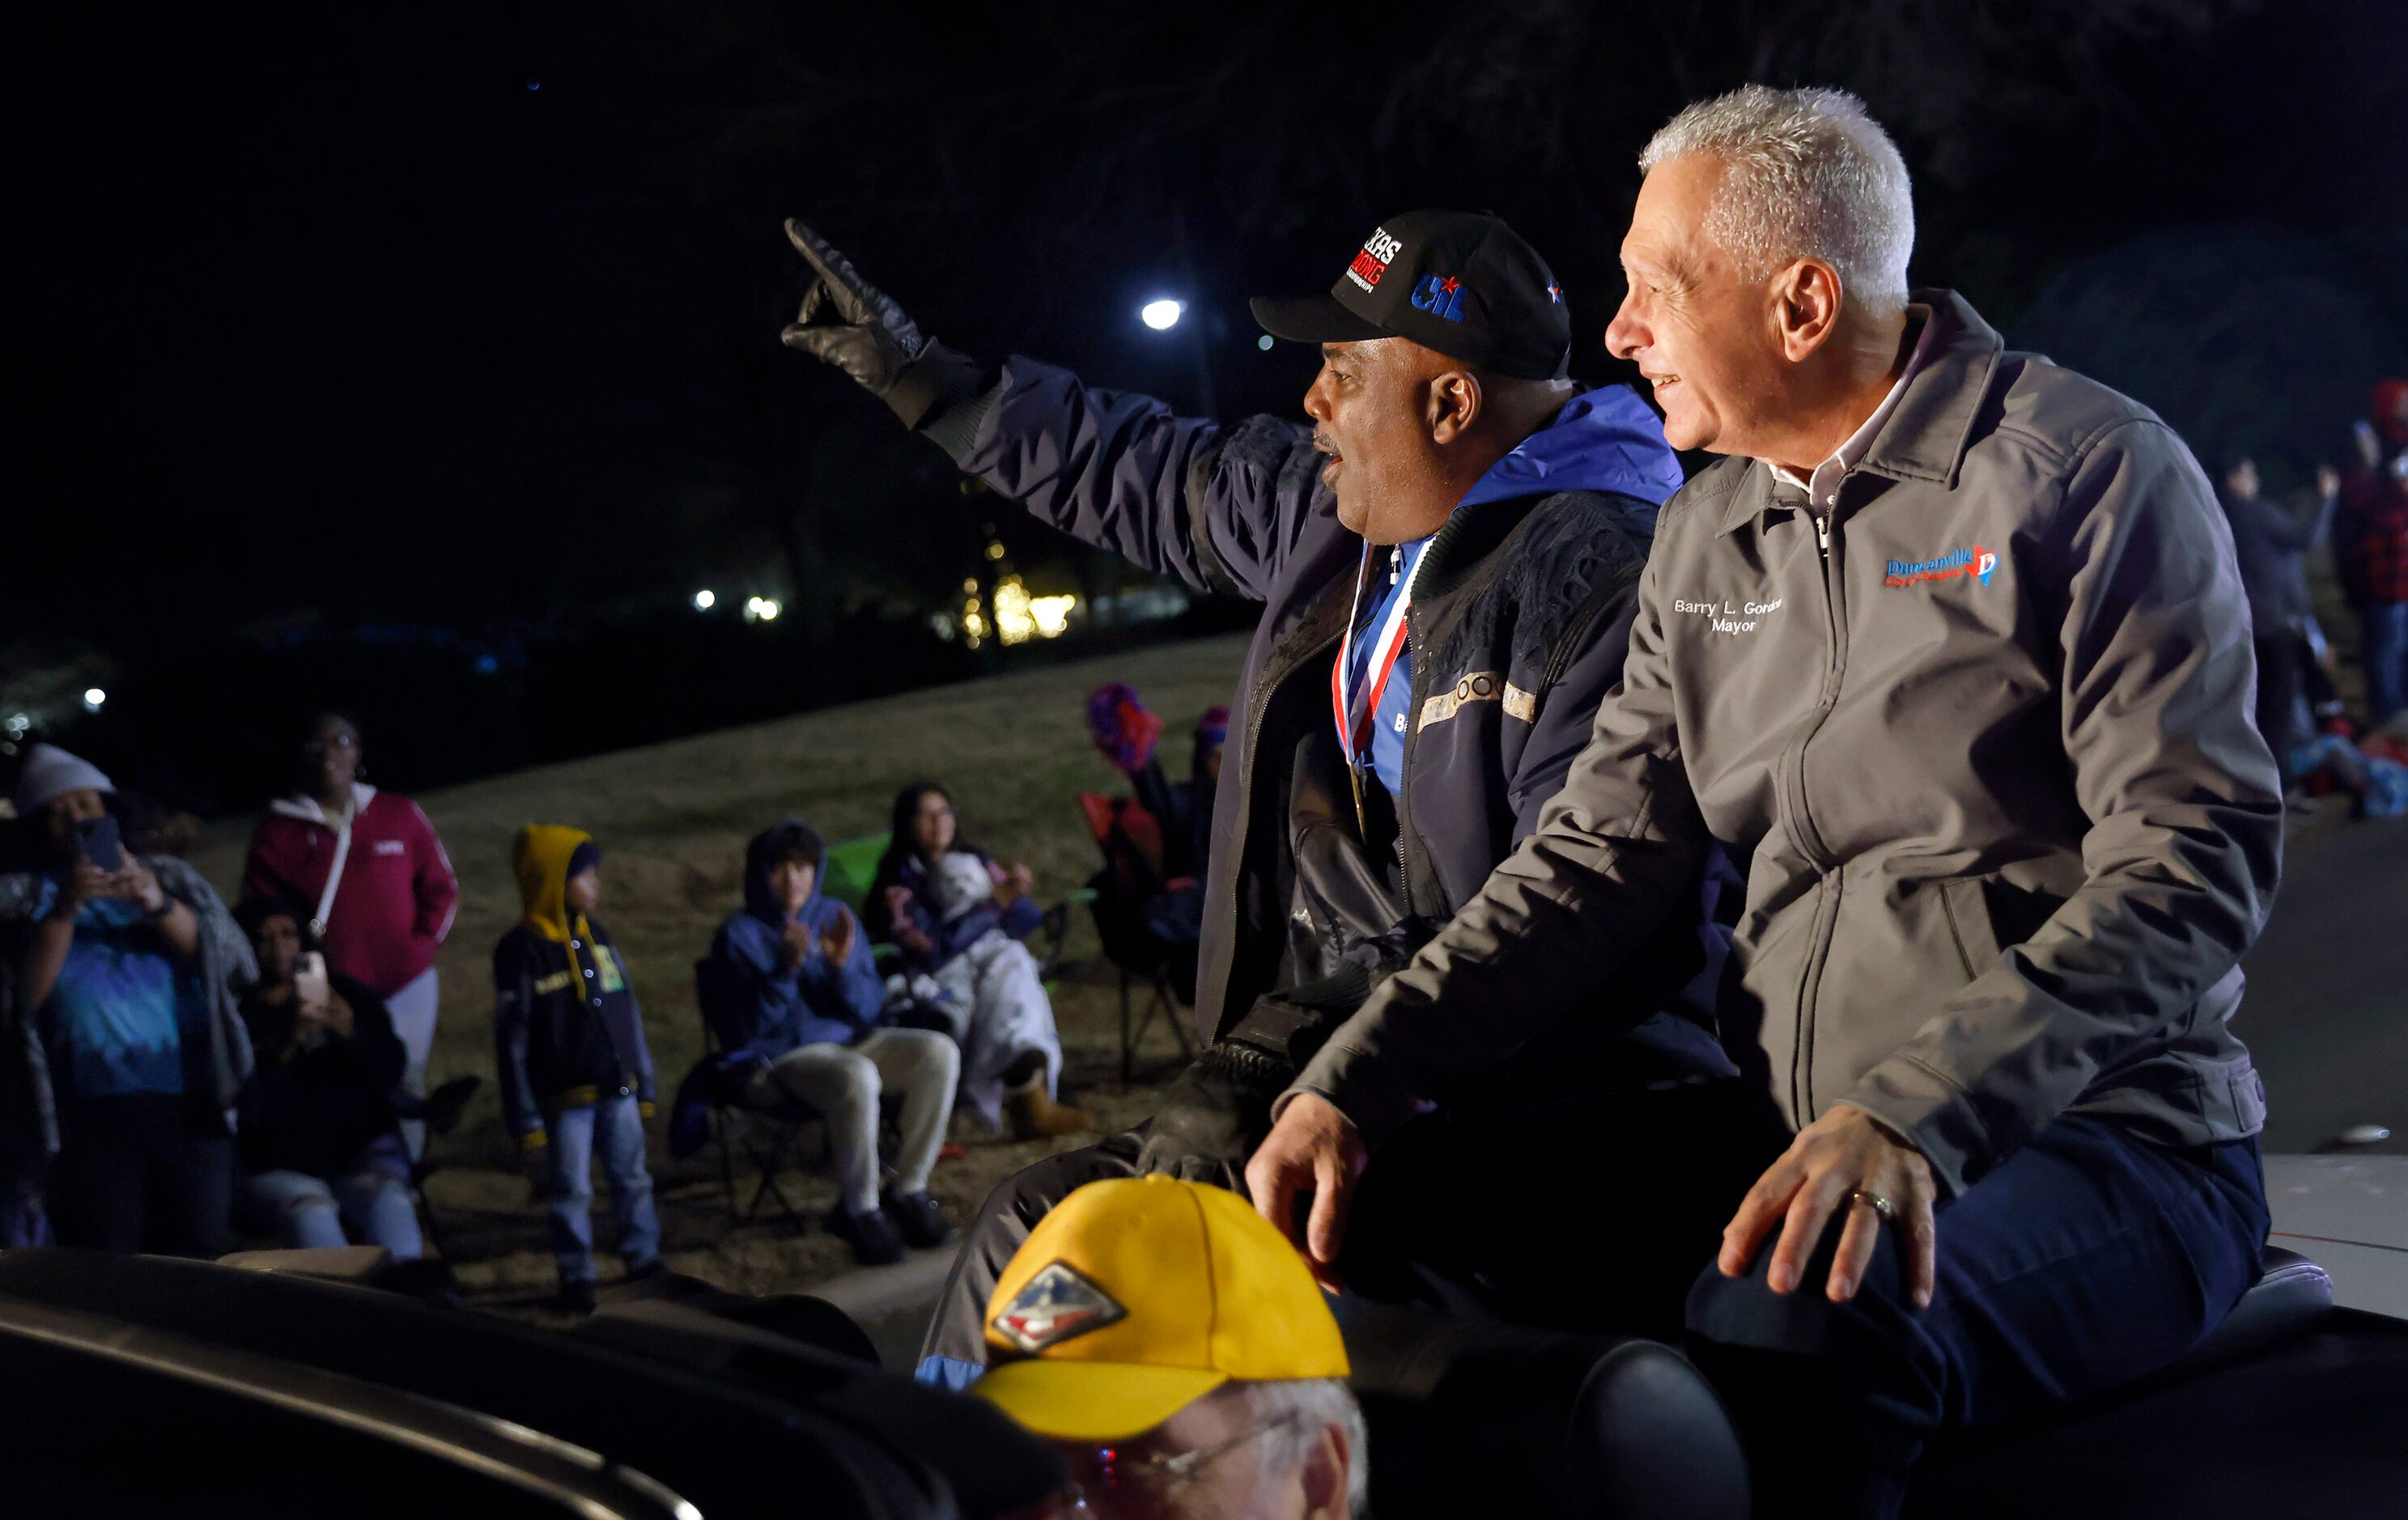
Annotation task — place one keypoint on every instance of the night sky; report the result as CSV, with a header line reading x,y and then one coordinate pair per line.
x,y
465,316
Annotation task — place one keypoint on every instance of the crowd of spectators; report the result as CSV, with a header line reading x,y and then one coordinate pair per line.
x,y
180,1076
2360,518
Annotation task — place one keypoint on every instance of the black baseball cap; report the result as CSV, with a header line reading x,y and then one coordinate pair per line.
x,y
1461,282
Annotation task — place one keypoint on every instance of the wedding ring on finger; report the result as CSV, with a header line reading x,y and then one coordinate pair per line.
x,y
1876,1203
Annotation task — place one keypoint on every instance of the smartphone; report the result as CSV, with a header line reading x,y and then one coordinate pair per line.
x,y
98,841
309,979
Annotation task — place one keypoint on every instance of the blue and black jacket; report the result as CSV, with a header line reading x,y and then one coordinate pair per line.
x,y
1520,621
566,1029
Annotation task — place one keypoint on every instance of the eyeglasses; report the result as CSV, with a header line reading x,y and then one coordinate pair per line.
x,y
1110,1481
340,741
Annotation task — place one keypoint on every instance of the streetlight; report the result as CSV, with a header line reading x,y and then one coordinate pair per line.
x,y
1163,314
705,599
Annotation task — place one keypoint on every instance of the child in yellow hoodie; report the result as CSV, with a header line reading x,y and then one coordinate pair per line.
x,y
576,1074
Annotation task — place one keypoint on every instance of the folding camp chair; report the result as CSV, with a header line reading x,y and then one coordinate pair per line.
x,y
1131,841
851,866
771,1139
442,1110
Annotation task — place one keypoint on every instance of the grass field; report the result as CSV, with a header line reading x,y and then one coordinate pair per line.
x,y
672,820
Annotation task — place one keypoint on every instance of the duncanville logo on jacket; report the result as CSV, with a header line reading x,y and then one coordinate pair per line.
x,y
1977,562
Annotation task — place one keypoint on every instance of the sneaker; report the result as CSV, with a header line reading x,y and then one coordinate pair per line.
x,y
872,1236
576,1298
917,1216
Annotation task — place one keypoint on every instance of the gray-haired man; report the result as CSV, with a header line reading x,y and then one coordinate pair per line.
x,y
1953,649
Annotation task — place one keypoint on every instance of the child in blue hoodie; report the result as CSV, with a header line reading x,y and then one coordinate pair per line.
x,y
798,990
576,1073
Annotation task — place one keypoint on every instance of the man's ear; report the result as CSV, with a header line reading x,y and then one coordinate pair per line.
x,y
1325,1473
1452,405
1806,307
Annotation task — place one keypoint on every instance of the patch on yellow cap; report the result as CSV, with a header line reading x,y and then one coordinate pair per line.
x,y
1058,1303
1135,1298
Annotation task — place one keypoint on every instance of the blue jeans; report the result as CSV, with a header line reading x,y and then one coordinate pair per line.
x,y
2384,627
2083,1261
614,1128
370,1200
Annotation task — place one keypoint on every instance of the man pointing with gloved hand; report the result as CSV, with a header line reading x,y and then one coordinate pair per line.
x,y
1447,554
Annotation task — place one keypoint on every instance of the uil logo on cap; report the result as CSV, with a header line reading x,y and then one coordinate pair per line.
x,y
1440,296
1060,1304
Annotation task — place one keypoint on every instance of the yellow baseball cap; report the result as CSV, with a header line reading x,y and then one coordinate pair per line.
x,y
1136,1297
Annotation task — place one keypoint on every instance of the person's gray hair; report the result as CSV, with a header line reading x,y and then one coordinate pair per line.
x,y
1808,174
1296,1413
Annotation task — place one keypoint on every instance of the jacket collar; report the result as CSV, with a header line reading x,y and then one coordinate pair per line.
x,y
306,809
1927,436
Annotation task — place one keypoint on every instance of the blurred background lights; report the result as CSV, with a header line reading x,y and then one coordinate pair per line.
x,y
705,599
94,698
762,608
1162,315
1264,342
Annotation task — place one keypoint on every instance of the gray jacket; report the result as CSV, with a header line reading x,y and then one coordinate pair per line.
x,y
1989,755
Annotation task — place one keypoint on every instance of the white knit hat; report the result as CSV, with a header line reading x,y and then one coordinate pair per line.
x,y
51,773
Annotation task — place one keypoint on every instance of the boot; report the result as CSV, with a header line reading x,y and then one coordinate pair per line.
x,y
1035,1115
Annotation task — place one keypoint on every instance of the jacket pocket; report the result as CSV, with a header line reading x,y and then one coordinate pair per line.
x,y
1968,924
1989,914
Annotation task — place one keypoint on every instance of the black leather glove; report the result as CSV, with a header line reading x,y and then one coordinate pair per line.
x,y
851,324
1218,1111
1213,1115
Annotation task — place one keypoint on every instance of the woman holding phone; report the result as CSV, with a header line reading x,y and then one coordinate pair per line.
x,y
119,1011
321,1153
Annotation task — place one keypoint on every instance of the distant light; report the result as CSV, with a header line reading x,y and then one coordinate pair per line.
x,y
705,599
762,608
18,723
94,698
485,665
1052,614
1264,342
1162,315
535,84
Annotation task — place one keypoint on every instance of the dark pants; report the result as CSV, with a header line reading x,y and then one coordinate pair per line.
x,y
134,1174
2083,1261
2282,696
1468,1209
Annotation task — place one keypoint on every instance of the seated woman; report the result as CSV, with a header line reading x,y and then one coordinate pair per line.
x,y
1011,1055
321,1150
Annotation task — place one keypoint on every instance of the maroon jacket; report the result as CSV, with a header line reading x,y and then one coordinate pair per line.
x,y
398,892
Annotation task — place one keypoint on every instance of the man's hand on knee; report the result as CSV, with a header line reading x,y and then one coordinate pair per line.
x,y
1845,1161
1313,1151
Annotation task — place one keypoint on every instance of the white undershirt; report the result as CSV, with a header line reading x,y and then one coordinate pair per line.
x,y
1823,489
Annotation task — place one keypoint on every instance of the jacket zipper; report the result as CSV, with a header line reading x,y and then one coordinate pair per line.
x,y
1424,572
1810,842
1405,756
